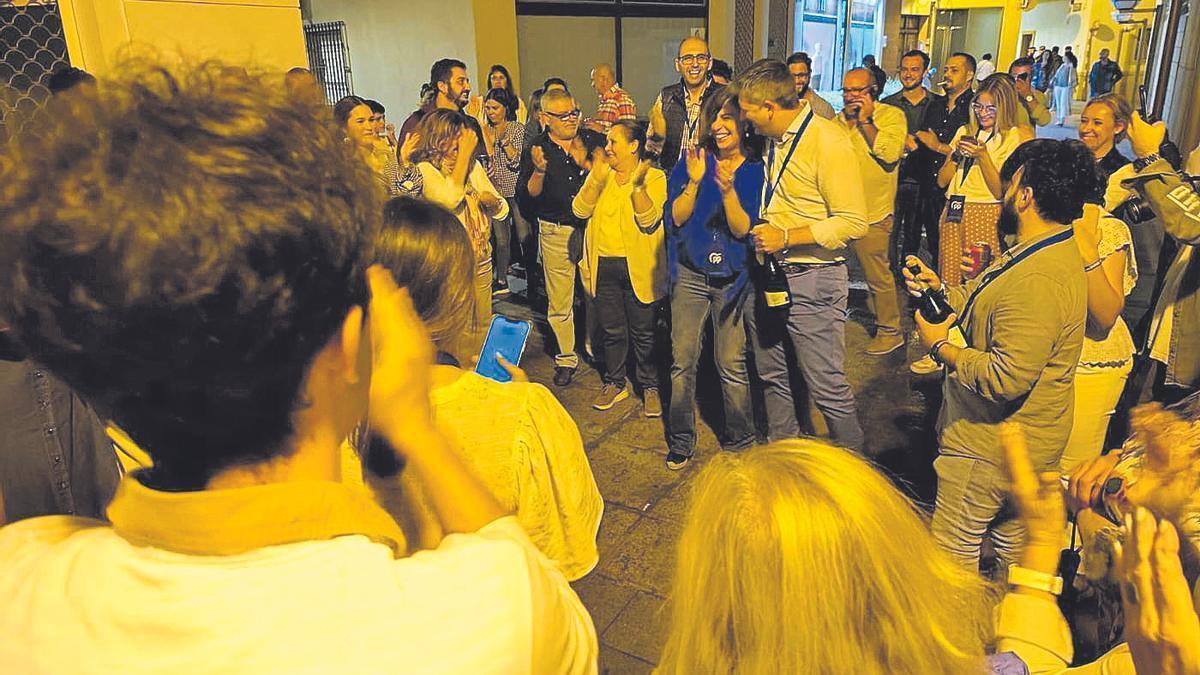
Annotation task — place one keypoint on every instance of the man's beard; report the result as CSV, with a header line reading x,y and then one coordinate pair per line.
x,y
1007,224
801,92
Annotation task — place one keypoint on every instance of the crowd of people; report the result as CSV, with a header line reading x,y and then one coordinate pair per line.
x,y
271,308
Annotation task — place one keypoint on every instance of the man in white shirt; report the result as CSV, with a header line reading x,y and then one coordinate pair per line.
x,y
227,323
813,206
985,68
877,132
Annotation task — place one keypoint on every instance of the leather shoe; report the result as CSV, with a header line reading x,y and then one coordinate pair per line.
x,y
563,376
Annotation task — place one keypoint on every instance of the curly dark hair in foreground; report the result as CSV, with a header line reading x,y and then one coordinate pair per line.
x,y
1062,175
179,245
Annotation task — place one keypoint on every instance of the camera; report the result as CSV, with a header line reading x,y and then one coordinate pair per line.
x,y
1134,211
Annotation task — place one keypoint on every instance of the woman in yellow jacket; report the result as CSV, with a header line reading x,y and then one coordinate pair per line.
x,y
624,262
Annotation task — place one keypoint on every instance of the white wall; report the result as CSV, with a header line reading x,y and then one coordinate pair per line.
x,y
1055,25
648,62
392,45
566,47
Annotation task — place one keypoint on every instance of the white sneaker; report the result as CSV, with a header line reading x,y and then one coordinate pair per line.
x,y
925,366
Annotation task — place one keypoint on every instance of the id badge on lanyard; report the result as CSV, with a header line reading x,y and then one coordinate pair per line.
x,y
955,206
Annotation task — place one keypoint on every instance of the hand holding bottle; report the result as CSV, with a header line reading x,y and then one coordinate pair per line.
x,y
921,279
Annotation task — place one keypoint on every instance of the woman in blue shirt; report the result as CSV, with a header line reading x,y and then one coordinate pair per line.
x,y
713,197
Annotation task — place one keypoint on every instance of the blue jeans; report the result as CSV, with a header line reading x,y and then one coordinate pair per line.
x,y
694,298
815,325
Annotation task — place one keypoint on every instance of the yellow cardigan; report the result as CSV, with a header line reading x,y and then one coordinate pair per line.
x,y
641,233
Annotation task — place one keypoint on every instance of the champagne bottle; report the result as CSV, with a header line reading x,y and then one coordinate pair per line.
x,y
777,295
931,304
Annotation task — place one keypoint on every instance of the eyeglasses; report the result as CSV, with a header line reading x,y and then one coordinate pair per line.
x,y
569,115
855,90
981,108
689,59
1024,76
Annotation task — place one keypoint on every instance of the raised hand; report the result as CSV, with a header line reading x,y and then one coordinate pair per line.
x,y
538,155
638,177
467,142
601,169
696,165
408,148
1161,625
1171,475
1087,233
866,107
725,173
402,361
1146,138
475,106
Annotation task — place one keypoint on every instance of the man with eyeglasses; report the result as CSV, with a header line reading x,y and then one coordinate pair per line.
x,y
675,116
800,66
1022,71
552,171
877,133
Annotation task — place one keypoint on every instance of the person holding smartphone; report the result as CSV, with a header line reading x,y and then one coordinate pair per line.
x,y
971,177
529,454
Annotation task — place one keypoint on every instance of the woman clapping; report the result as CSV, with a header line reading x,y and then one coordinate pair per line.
x,y
624,262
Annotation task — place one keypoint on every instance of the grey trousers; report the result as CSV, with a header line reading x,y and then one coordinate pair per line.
x,y
815,326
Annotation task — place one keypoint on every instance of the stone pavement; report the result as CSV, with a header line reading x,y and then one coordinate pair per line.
x,y
645,502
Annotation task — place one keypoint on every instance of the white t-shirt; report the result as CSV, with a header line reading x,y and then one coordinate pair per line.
x,y
974,187
78,598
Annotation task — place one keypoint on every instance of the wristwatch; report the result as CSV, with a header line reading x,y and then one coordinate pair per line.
x,y
1142,162
1038,581
933,351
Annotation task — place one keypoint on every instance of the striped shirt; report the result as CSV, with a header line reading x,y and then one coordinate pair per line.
x,y
615,105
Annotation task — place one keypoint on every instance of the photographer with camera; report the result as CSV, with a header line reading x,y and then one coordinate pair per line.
x,y
1172,344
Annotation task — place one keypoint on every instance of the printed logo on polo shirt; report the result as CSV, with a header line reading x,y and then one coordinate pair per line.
x,y
715,258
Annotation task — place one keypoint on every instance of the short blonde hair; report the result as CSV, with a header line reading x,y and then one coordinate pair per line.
x,y
799,557
766,80
1122,112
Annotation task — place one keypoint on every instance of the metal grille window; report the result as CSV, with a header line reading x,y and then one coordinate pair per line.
x,y
329,58
32,48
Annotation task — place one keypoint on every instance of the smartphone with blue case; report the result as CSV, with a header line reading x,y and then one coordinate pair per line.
x,y
506,338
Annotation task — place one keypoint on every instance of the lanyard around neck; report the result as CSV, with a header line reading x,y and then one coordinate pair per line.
x,y
993,274
772,186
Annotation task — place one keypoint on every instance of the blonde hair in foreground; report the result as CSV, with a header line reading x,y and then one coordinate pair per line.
x,y
799,557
